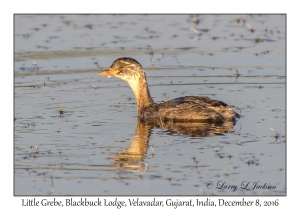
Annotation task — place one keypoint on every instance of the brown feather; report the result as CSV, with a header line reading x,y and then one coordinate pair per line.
x,y
186,109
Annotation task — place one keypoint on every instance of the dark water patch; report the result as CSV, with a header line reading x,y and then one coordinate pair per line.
x,y
257,40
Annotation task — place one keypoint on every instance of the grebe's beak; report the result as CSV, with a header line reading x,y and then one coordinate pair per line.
x,y
108,72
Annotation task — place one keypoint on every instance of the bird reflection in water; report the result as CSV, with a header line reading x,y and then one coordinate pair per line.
x,y
132,158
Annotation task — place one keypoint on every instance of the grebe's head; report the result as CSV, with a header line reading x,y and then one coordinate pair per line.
x,y
132,72
124,68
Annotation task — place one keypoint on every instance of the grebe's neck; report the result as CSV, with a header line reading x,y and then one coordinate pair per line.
x,y
139,86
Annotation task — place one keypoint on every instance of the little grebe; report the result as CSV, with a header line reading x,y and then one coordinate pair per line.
x,y
187,108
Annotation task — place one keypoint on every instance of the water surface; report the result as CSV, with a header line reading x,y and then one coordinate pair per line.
x,y
76,133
